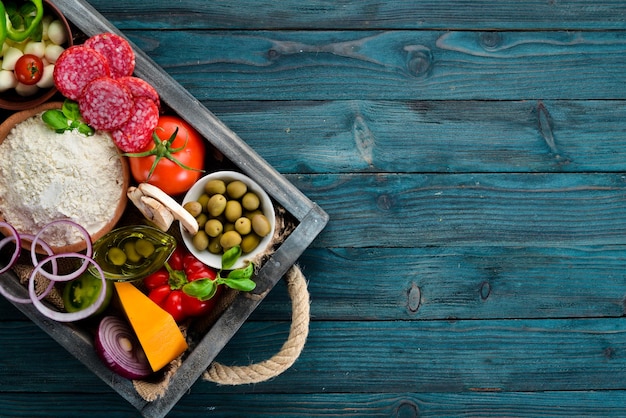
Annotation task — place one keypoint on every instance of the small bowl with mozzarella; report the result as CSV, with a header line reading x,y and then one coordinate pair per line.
x,y
27,65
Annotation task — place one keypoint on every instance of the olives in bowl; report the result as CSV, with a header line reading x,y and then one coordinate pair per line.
x,y
231,210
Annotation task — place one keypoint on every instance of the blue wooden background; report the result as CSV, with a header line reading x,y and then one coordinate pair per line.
x,y
472,159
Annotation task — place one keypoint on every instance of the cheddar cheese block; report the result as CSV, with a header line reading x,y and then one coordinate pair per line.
x,y
156,329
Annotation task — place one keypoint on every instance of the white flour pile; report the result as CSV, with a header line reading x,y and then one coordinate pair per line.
x,y
45,176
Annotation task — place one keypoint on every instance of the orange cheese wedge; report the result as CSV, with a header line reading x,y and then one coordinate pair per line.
x,y
156,330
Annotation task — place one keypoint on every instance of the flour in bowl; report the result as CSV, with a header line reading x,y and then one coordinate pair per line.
x,y
45,176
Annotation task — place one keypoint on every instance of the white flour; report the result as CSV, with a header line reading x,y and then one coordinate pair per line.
x,y
45,176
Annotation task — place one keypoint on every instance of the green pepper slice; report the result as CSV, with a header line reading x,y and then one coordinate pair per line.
x,y
8,31
83,291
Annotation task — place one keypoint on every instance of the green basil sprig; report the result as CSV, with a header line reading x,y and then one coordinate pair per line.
x,y
238,279
68,118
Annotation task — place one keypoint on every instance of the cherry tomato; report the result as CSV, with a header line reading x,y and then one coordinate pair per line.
x,y
167,175
28,69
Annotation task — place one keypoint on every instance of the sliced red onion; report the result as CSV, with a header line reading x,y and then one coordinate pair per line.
x,y
14,237
49,251
60,316
118,347
37,240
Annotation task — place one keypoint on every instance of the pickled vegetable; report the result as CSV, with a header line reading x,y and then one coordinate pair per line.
x,y
132,252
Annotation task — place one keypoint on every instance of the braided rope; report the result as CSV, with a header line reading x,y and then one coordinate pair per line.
x,y
288,354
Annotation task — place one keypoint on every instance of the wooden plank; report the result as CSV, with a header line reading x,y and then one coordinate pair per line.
x,y
341,136
259,404
386,284
474,209
368,14
397,356
450,282
391,65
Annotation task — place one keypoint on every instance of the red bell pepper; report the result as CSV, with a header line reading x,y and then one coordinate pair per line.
x,y
166,285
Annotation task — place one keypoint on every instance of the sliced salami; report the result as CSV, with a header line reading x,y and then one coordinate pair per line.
x,y
116,50
141,88
76,67
136,133
106,103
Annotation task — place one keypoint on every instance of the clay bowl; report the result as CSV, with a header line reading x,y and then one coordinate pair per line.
x,y
9,99
80,245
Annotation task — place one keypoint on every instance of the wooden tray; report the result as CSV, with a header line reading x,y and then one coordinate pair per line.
x,y
309,218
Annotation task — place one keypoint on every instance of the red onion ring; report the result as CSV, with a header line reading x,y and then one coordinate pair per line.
x,y
54,276
47,249
60,316
15,237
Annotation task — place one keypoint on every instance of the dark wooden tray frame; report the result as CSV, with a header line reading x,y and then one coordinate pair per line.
x,y
310,217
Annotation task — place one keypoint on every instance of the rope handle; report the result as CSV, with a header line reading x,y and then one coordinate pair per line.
x,y
289,352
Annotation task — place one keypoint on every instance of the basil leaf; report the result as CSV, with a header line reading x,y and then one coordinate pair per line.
x,y
85,129
55,119
230,257
244,273
203,289
242,284
71,110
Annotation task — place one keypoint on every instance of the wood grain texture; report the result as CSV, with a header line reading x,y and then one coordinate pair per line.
x,y
471,158
368,14
497,355
474,209
363,136
546,404
398,65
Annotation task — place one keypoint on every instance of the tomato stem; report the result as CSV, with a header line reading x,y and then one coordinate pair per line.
x,y
163,149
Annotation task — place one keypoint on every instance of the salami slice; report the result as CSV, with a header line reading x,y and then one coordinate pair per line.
x,y
141,88
106,103
116,50
136,133
76,67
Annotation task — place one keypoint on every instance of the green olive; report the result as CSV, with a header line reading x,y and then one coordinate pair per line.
x,y
236,189
200,241
250,214
233,210
243,225
193,207
144,247
250,201
116,256
213,227
250,242
131,252
215,187
229,226
202,220
203,199
230,239
261,225
214,245
216,205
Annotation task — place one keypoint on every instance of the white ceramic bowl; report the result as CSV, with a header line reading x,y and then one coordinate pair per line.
x,y
215,260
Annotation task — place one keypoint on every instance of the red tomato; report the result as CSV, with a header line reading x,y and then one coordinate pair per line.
x,y
28,69
187,146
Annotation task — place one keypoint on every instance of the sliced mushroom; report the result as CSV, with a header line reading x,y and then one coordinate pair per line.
x,y
151,208
180,214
